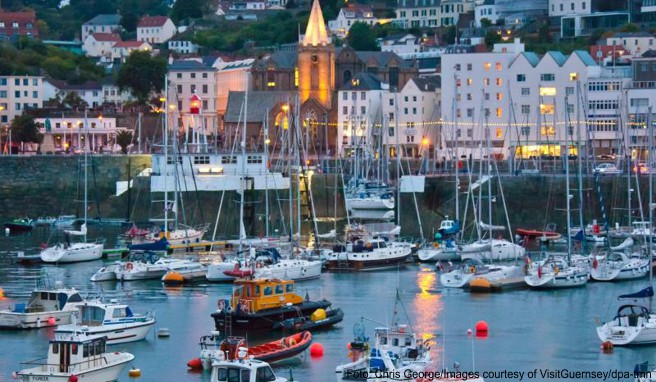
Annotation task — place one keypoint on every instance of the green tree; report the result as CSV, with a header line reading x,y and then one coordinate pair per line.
x,y
23,129
291,4
130,14
544,36
449,35
142,74
188,9
124,139
630,27
361,37
491,38
485,22
74,101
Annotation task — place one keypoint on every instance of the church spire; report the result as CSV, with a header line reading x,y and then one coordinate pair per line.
x,y
316,34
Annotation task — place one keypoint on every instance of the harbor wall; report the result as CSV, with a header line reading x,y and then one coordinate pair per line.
x,y
51,185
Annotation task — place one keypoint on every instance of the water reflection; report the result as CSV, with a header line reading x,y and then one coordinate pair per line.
x,y
428,306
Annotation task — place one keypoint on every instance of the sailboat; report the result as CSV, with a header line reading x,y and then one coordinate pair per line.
x,y
81,251
559,270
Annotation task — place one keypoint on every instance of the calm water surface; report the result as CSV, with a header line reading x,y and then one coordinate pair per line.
x,y
528,329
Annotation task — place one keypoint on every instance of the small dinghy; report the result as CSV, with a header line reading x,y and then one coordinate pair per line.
x,y
320,319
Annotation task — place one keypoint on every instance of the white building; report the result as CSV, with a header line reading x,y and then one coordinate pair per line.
x,y
350,15
112,94
188,78
485,9
155,29
249,5
402,44
635,43
559,8
101,24
183,46
430,13
122,49
18,93
359,113
69,133
412,117
100,45
230,76
90,92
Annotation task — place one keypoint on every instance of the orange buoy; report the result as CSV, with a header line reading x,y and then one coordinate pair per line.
x,y
2,293
195,363
481,329
172,278
316,350
607,346
134,373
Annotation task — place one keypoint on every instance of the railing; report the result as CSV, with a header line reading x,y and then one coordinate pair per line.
x,y
643,85
70,368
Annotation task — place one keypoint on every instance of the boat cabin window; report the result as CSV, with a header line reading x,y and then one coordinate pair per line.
x,y
382,245
257,290
75,298
279,289
408,341
222,374
268,291
395,342
119,313
265,374
383,340
91,315
45,296
245,375
55,348
289,287
74,349
85,350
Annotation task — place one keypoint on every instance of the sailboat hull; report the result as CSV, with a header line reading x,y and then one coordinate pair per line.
x,y
296,270
75,253
625,334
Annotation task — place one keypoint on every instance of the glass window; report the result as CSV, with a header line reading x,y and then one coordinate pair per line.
x,y
526,91
222,374
245,375
193,75
268,291
547,92
17,93
289,288
265,374
233,375
55,348
279,289
547,77
521,78
345,96
85,350
363,96
26,82
205,90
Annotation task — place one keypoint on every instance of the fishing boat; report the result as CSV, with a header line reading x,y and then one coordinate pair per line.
x,y
46,307
74,357
319,319
20,225
473,268
114,320
365,255
618,266
278,350
243,369
633,324
259,303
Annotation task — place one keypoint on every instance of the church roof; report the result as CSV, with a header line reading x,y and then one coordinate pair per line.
x,y
316,33
382,58
259,103
282,60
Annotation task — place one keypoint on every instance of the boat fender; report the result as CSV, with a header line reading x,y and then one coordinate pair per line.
x,y
129,266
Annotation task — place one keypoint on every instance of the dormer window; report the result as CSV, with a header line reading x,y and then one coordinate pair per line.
x,y
14,25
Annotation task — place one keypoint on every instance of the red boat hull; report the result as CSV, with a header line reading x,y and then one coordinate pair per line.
x,y
284,348
531,233
239,273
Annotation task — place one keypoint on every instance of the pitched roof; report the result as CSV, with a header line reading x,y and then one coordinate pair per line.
x,y
280,59
259,103
316,33
104,20
585,57
383,58
559,57
192,65
20,17
363,81
428,84
106,37
129,44
152,21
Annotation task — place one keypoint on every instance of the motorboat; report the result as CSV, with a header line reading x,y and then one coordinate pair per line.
x,y
472,268
243,369
442,250
114,320
555,272
633,324
46,307
20,225
365,255
76,356
618,266
257,304
222,271
269,264
180,236
138,266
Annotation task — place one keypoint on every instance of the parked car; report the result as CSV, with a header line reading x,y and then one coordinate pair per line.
x,y
607,168
607,156
642,168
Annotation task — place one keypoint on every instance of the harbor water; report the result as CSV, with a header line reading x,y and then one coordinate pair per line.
x,y
529,331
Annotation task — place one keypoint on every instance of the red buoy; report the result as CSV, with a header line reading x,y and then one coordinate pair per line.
x,y
72,378
481,329
316,350
607,347
195,363
51,322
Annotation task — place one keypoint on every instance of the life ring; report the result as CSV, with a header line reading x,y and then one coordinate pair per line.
x,y
129,266
258,264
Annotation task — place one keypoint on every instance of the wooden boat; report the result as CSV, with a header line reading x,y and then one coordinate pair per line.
x,y
533,233
316,320
260,303
20,225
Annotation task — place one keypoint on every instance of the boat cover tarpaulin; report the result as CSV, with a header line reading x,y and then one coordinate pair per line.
x,y
645,293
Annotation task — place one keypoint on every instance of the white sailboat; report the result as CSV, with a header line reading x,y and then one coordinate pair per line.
x,y
619,266
471,268
81,251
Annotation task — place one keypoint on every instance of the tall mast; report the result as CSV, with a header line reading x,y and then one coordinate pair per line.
x,y
651,196
165,126
242,186
86,177
455,133
567,191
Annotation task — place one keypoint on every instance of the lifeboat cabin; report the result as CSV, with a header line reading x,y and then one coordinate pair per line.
x,y
261,303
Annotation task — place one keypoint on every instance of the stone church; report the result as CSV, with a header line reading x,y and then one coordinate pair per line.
x,y
309,77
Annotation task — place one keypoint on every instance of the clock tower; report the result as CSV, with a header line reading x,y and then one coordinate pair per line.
x,y
316,61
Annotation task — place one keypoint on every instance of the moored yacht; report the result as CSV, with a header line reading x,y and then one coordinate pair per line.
x,y
472,268
633,324
555,272
365,255
618,266
46,307
114,320
73,252
76,357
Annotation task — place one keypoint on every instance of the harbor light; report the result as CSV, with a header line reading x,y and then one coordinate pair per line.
x,y
424,141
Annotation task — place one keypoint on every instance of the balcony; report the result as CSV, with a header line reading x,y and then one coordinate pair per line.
x,y
643,85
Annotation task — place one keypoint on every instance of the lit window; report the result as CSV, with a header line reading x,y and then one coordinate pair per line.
x,y
499,81
499,66
486,81
487,66
547,92
547,131
573,76
469,81
546,109
499,132
499,112
499,96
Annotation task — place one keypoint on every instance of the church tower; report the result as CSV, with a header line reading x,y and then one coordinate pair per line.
x,y
316,61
